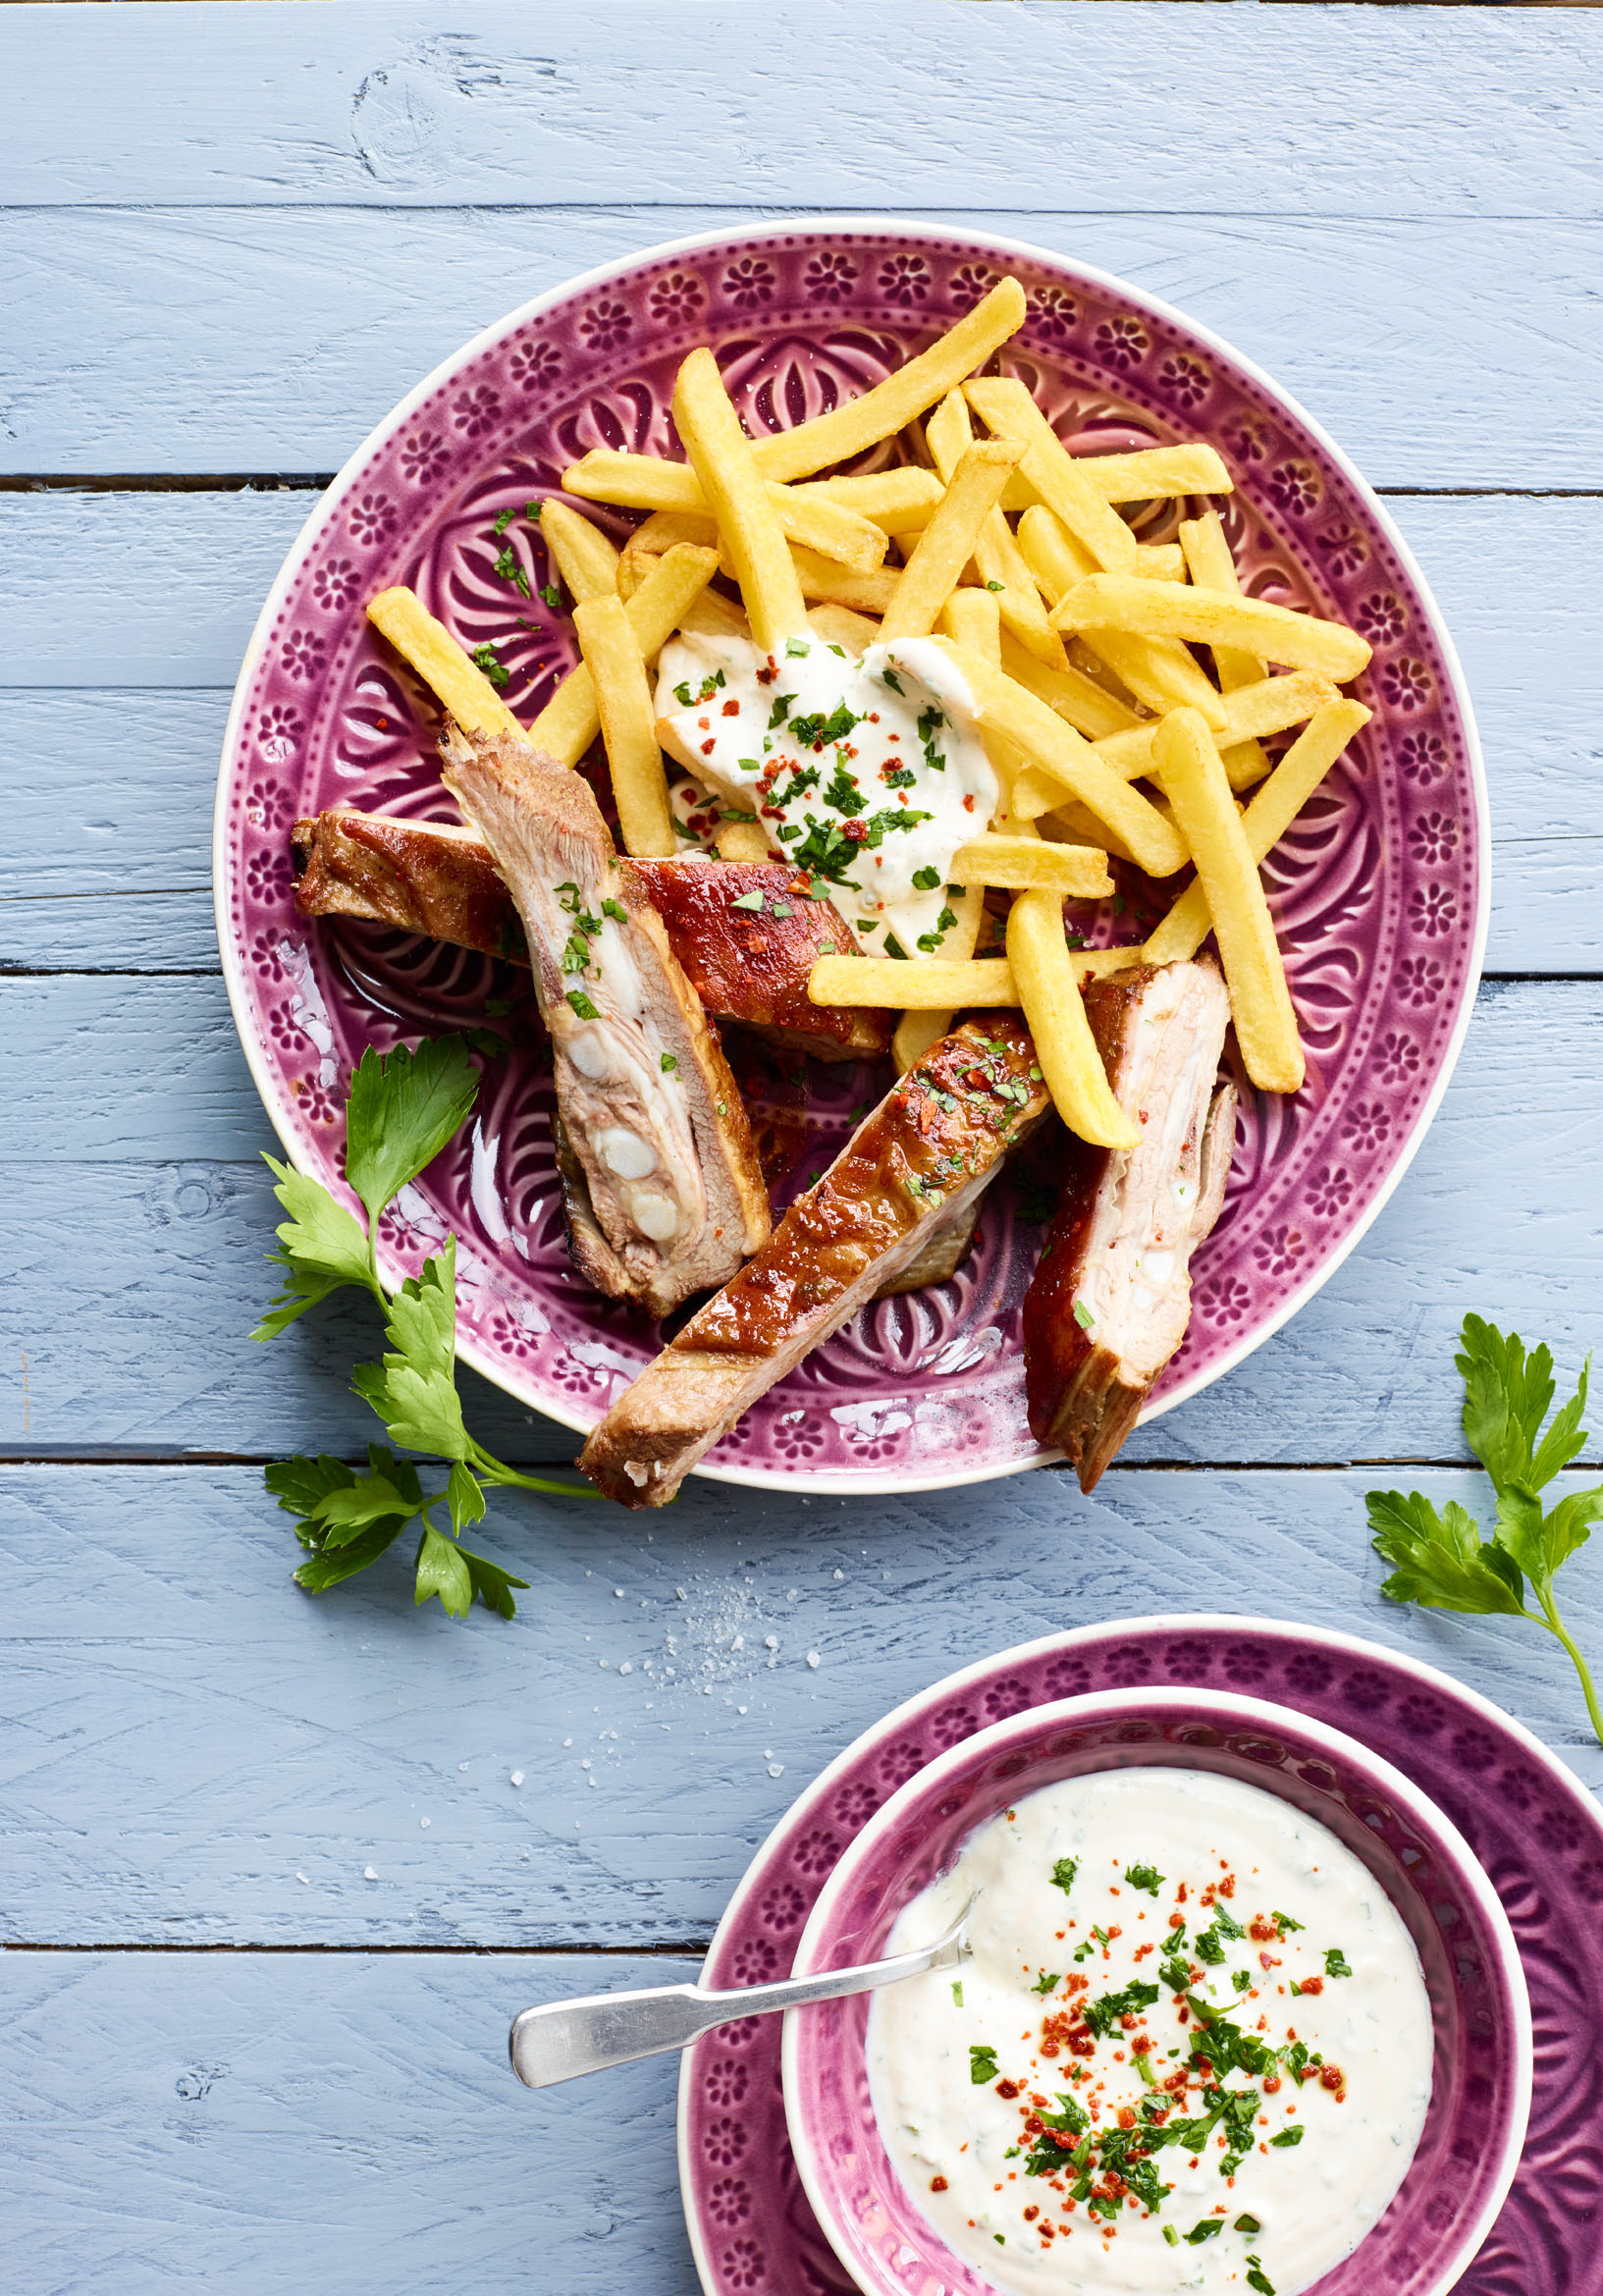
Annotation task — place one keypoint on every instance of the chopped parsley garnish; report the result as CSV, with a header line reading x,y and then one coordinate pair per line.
x,y
751,900
1083,1315
576,954
1336,1963
995,585
1171,2236
1141,1877
1226,1923
1064,1873
814,731
957,1993
781,709
1242,1980
842,793
1045,1981
486,658
894,948
1247,2224
796,649
505,521
1103,2014
1288,2137
616,910
1207,1947
709,687
510,567
1204,2232
1256,2278
903,778
1285,1923
981,2066
582,1005
927,880
891,680
1175,1973
552,595
562,902
1225,2045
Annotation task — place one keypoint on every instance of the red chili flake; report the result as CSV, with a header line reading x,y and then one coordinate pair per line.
x,y
703,723
1178,1920
1331,2076
1177,2083
732,709
1127,2116
1008,2089
1114,1929
968,805
1179,1894
1313,1985
1227,1887
1271,2086
1264,1932
938,2184
1142,2044
708,747
854,831
1269,1960
767,675
1031,2214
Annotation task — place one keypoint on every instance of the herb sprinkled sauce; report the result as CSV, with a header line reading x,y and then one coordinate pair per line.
x,y
1192,2049
868,774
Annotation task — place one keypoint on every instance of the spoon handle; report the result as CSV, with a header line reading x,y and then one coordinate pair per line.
x,y
560,2040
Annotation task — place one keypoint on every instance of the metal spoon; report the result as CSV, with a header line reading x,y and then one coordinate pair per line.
x,y
562,2039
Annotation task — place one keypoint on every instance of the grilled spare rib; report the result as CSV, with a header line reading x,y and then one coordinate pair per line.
x,y
746,932
1110,1299
932,1145
664,1192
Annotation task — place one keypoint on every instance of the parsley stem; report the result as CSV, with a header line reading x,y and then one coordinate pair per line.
x,y
1588,1686
491,1470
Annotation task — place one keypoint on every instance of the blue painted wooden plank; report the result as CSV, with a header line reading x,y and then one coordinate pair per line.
x,y
186,1735
1453,350
137,1260
125,807
788,105
339,2123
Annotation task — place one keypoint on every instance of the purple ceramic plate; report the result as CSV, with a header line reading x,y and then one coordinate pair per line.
x,y
1379,892
1536,1830
1469,2146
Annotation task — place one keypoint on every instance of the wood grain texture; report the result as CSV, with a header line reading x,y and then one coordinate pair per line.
x,y
106,861
338,2123
389,104
189,1734
142,1217
1454,350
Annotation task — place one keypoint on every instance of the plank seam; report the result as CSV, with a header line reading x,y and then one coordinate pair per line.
x,y
156,482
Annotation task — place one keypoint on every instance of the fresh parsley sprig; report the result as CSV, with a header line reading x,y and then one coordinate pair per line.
x,y
1441,1559
399,1113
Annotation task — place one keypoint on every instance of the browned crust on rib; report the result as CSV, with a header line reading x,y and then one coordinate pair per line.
x,y
909,1170
747,966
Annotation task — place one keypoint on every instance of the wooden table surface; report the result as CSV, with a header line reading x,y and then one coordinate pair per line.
x,y
271,1888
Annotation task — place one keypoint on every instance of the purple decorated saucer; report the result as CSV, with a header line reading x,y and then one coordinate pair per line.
x,y
1480,2097
1379,891
1534,1831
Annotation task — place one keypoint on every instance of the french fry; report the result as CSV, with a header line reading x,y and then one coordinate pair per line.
x,y
999,561
1153,472
1174,610
838,625
1160,561
1069,761
1259,1001
900,500
1049,992
1264,822
823,583
1076,824
946,544
614,658
585,558
1245,762
974,618
453,680
944,983
1207,554
1251,710
1077,699
742,841
664,528
646,482
1025,864
713,616
1158,672
1055,473
569,721
892,404
724,462
917,1030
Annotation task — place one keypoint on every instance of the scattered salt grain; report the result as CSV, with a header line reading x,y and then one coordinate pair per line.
x,y
812,1658
775,1769
518,1777
302,1878
368,1874
423,1821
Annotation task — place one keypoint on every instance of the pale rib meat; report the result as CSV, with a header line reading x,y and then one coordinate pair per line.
x,y
665,1194
1110,1300
911,1168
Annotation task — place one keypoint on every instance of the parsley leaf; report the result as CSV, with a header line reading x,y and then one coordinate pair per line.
x,y
1336,1963
401,1113
1288,2137
321,1248
1145,1877
1045,1981
981,2066
1064,1873
1440,1559
1103,2014
1204,2232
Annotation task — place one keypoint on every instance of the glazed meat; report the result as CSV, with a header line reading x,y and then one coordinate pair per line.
x,y
748,962
911,1168
664,1195
1110,1302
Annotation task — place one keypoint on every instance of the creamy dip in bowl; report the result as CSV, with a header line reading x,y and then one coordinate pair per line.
x,y
1243,2012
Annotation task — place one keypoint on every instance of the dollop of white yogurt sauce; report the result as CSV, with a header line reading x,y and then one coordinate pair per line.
x,y
867,772
1286,1936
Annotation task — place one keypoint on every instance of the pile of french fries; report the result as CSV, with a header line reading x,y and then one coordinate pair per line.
x,y
1108,731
